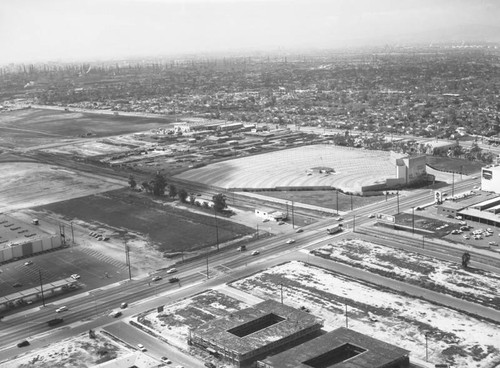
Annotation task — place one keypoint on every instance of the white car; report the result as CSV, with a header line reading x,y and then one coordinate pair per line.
x,y
172,270
166,360
141,347
75,276
340,219
255,252
371,215
290,241
61,309
28,263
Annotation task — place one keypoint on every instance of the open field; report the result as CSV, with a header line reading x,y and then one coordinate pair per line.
x,y
125,213
297,167
26,185
34,127
472,284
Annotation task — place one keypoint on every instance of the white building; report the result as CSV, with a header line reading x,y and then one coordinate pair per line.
x,y
490,179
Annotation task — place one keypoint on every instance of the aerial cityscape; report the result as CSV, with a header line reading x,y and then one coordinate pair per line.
x,y
251,184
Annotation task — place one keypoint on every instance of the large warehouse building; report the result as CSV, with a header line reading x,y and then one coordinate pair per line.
x,y
256,332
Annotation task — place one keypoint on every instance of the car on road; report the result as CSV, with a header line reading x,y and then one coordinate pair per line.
x,y
141,347
255,252
123,305
165,360
265,220
299,230
156,278
28,263
173,279
179,366
23,343
492,243
209,365
17,284
290,241
75,276
61,309
371,215
172,270
115,314
340,219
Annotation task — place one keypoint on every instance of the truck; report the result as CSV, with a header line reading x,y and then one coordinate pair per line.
x,y
55,321
334,229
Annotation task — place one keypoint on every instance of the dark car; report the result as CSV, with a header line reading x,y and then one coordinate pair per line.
x,y
17,284
210,365
173,279
23,343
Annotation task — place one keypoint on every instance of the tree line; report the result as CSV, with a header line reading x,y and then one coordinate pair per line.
x,y
158,187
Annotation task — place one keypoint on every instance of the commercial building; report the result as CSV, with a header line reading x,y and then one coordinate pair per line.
x,y
340,348
243,337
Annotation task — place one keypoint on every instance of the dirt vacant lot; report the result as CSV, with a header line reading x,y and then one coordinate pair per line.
x,y
167,227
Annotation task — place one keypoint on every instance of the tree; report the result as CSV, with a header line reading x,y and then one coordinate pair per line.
x,y
132,182
145,185
182,195
192,198
219,202
465,259
172,191
159,184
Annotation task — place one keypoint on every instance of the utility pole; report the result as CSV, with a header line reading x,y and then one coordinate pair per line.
x,y
293,218
346,317
413,220
207,266
351,201
127,259
453,184
41,286
354,224
397,195
336,191
216,228
72,234
281,293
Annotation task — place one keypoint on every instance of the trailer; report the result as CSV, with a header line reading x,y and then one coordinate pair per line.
x,y
337,228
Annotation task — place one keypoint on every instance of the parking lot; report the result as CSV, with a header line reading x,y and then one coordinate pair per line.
x,y
94,268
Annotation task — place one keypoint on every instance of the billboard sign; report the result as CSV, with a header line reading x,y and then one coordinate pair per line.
x,y
487,174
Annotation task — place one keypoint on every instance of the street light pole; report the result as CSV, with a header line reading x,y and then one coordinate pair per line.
x,y
281,293
207,265
293,218
41,286
354,224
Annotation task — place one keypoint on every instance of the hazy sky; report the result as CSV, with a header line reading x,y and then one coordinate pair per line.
x,y
50,30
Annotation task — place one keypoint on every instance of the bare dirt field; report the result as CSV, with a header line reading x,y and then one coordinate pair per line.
x,y
125,213
297,167
30,127
26,185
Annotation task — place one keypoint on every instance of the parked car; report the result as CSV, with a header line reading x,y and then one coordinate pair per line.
x,y
17,284
115,314
141,347
75,276
165,360
210,365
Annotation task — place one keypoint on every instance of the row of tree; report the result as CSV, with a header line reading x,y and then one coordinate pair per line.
x,y
158,185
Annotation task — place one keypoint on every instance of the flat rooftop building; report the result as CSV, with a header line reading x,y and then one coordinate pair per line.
x,y
341,348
